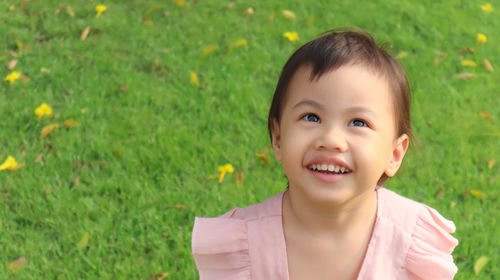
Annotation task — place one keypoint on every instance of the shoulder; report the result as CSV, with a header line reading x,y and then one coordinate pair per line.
x,y
268,208
426,232
220,245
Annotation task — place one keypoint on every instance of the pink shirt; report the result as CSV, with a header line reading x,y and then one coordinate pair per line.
x,y
410,240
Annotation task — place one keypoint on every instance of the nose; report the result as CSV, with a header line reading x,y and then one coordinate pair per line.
x,y
331,139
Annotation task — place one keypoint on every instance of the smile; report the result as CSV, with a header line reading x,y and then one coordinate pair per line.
x,y
329,168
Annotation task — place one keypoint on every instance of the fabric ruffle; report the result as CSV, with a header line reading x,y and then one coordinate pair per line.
x,y
429,256
221,258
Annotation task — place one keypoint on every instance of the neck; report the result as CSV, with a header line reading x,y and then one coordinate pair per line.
x,y
323,219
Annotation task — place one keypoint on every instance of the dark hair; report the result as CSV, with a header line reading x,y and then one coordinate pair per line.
x,y
335,49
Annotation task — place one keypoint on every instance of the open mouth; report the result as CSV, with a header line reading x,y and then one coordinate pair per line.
x,y
329,169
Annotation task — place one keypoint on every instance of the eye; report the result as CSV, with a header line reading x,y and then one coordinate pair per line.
x,y
311,118
358,122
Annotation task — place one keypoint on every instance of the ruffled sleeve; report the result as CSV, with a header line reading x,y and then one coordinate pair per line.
x,y
429,256
220,248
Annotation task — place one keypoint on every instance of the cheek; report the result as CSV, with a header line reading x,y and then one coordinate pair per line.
x,y
293,148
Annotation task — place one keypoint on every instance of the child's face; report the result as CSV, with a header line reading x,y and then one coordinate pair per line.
x,y
344,119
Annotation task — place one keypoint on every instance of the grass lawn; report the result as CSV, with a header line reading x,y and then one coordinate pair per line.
x,y
165,92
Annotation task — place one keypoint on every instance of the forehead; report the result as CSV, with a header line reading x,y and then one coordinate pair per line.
x,y
353,85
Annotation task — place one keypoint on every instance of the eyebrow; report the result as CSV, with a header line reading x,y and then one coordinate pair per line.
x,y
352,110
360,109
308,102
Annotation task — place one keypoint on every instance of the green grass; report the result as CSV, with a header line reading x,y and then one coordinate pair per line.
x,y
137,169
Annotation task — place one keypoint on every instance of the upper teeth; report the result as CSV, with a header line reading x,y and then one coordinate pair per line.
x,y
329,167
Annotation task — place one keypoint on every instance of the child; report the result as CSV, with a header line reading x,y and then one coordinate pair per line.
x,y
340,124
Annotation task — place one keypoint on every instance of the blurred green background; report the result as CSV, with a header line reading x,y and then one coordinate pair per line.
x,y
163,93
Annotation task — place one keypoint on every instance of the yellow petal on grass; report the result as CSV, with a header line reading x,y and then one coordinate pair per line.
x,y
487,7
179,3
263,157
20,45
288,14
100,9
82,244
477,194
159,276
70,123
13,53
47,130
43,110
85,33
12,77
480,264
239,179
491,163
468,63
148,20
271,17
152,9
465,76
223,169
236,44
16,265
38,158
249,11
11,164
209,49
12,64
481,38
193,79
440,57
292,36
487,65
70,12
239,43
401,55
485,115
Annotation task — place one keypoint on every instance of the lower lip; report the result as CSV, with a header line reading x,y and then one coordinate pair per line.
x,y
325,177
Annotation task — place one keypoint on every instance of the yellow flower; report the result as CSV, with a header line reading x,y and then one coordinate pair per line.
x,y
467,62
12,77
487,7
288,14
11,164
481,38
193,78
292,36
223,170
179,2
43,110
99,9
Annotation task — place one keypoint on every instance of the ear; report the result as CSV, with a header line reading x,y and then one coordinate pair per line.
x,y
398,153
275,133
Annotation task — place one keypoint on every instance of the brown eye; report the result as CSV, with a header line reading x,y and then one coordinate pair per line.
x,y
311,118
